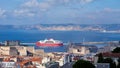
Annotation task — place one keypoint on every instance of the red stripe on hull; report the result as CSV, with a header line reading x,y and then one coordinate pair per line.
x,y
49,44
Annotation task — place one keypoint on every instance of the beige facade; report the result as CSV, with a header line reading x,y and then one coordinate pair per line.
x,y
81,50
4,50
8,50
30,49
22,50
39,52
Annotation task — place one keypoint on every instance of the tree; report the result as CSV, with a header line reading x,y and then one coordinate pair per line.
x,y
119,60
100,58
116,50
110,61
118,66
83,64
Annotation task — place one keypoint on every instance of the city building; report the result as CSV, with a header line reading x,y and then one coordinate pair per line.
x,y
30,50
106,49
13,51
92,48
39,52
110,47
22,50
12,43
52,65
8,65
4,50
89,57
79,50
102,65
113,56
59,57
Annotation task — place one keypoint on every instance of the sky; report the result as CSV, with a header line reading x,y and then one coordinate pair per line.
x,y
24,12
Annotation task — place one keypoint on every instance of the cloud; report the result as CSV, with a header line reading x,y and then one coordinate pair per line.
x,y
62,11
31,3
36,7
86,1
110,10
42,6
106,15
2,13
79,1
47,4
32,8
23,12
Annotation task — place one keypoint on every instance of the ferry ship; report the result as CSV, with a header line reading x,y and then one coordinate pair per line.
x,y
49,42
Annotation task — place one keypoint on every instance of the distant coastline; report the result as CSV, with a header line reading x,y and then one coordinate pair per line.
x,y
114,28
115,31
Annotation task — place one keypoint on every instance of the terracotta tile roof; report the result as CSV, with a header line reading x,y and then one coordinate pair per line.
x,y
109,54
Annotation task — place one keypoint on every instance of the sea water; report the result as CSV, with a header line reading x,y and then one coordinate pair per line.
x,y
32,36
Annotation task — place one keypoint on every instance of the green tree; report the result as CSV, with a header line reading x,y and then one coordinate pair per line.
x,y
110,61
83,64
116,50
100,58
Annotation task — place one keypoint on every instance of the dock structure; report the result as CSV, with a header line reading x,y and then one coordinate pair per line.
x,y
28,43
100,42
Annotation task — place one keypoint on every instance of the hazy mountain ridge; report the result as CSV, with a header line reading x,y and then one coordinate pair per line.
x,y
65,27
